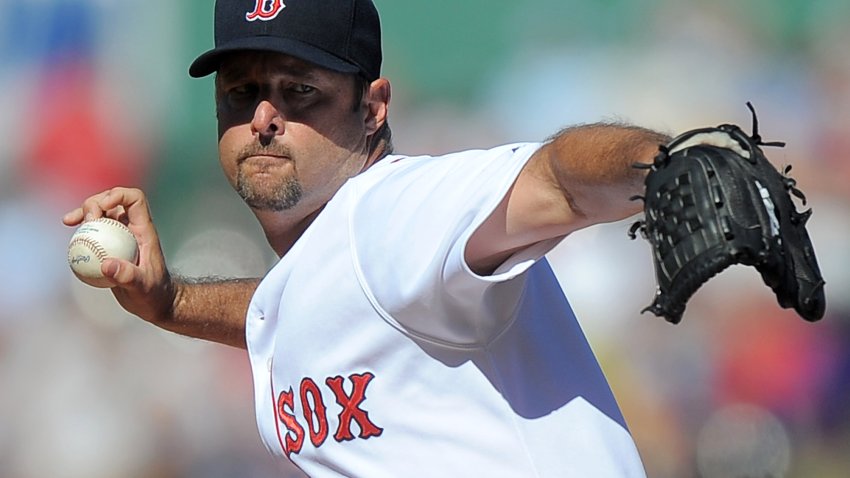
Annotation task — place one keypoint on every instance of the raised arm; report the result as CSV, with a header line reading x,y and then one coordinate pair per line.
x,y
580,177
209,309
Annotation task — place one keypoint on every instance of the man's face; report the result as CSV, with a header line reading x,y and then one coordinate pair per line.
x,y
290,132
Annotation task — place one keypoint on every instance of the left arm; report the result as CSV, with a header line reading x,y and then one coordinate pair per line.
x,y
582,176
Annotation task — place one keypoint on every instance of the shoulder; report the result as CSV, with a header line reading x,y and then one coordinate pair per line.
x,y
458,164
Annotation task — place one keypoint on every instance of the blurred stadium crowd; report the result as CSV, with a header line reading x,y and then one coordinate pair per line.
x,y
94,93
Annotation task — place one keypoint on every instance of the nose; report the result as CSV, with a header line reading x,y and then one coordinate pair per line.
x,y
268,122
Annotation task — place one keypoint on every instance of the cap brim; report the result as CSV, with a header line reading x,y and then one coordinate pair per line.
x,y
209,62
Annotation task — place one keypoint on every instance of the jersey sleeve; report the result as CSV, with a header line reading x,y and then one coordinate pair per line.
x,y
409,229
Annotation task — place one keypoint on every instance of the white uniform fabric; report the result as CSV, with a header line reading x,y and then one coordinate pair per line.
x,y
376,352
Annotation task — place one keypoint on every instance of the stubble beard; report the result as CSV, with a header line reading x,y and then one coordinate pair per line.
x,y
275,195
270,193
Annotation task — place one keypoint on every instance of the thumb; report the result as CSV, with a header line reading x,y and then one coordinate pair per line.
x,y
122,273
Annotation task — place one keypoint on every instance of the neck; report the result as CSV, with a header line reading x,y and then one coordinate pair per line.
x,y
377,152
281,230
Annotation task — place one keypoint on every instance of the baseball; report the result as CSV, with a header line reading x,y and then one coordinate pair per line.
x,y
93,242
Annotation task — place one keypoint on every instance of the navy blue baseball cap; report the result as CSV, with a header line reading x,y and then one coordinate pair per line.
x,y
340,35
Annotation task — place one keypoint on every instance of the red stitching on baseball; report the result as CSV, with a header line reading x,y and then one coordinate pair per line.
x,y
98,251
121,225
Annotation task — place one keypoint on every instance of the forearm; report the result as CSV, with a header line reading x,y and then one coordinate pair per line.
x,y
593,167
211,309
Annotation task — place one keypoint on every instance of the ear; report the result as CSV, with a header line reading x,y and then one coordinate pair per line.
x,y
378,99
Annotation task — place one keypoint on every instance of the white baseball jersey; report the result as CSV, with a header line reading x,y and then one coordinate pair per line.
x,y
377,352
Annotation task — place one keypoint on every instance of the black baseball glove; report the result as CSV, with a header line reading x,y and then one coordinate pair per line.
x,y
713,200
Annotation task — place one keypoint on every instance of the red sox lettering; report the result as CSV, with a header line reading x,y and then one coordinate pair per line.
x,y
265,10
314,412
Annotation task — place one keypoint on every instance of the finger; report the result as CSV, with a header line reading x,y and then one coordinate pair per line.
x,y
88,211
73,218
91,207
130,206
130,201
122,273
118,213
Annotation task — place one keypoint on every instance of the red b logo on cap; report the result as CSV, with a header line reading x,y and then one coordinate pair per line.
x,y
265,10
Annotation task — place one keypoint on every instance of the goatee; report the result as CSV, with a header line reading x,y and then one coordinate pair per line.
x,y
269,194
281,195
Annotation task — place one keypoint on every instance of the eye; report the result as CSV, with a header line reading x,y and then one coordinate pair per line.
x,y
241,96
301,89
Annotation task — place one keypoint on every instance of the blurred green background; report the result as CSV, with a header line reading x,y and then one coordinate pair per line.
x,y
95,93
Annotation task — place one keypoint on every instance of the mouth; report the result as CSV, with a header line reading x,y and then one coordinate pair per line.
x,y
258,155
264,160
269,152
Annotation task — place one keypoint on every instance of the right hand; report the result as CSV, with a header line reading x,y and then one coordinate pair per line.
x,y
145,288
